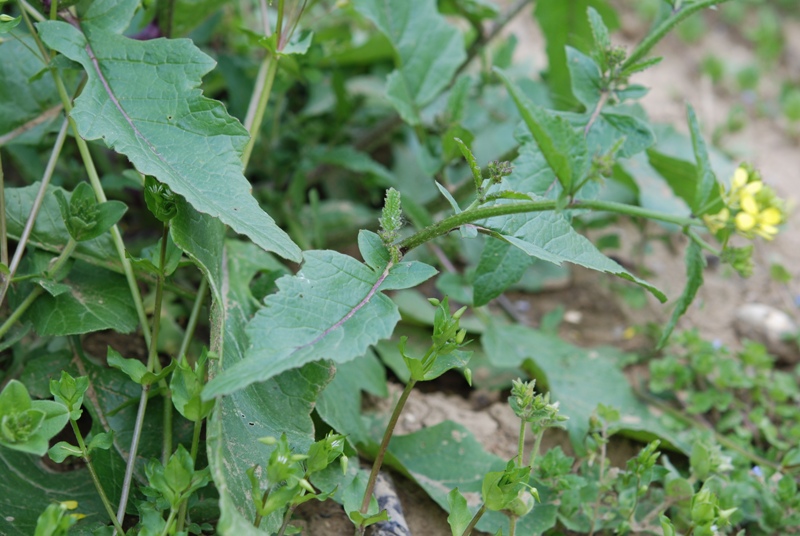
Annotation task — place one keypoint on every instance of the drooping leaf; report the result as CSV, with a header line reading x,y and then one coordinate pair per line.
x,y
445,456
501,266
142,100
49,232
428,50
579,379
695,263
564,148
332,309
98,299
549,236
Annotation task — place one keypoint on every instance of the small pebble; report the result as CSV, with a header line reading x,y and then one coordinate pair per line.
x,y
771,327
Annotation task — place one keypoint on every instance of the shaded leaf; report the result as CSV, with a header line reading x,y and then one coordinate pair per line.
x,y
98,299
585,78
500,266
142,100
428,50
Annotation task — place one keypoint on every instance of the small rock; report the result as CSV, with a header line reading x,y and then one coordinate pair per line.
x,y
771,327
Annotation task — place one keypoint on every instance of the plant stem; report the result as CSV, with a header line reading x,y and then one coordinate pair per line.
x,y
474,521
596,112
286,518
456,220
153,363
261,95
137,432
387,436
198,427
170,520
702,243
97,484
37,205
3,236
537,444
663,29
191,324
521,445
601,472
512,525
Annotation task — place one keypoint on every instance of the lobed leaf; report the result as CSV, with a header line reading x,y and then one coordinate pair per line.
x,y
695,263
142,100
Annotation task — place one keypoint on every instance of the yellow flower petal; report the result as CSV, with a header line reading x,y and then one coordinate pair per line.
x,y
745,222
69,505
770,216
739,178
754,187
767,232
748,204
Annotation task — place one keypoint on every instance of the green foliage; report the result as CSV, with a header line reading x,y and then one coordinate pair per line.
x,y
345,108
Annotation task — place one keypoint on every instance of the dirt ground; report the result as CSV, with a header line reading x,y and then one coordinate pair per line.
x,y
763,142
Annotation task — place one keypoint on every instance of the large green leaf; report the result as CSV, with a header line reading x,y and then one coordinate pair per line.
x,y
550,237
97,299
332,309
27,487
23,99
280,405
49,232
446,456
578,378
429,51
501,266
142,100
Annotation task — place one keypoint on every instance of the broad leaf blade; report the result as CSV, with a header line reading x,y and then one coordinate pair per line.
x,y
332,309
142,100
429,51
585,77
695,263
98,299
500,266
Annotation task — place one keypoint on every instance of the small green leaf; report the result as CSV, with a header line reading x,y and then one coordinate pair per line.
x,y
602,40
63,450
27,425
585,77
563,147
135,369
69,391
695,264
101,441
473,164
447,195
460,516
186,385
500,266
362,520
8,23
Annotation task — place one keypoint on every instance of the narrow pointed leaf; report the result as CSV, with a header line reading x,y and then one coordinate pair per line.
x,y
429,51
332,309
142,100
695,263
563,147
705,175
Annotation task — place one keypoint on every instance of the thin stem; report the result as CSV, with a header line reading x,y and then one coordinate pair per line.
x,y
387,436
170,519
601,472
521,445
259,517
137,432
97,484
53,9
191,324
596,112
456,220
474,521
261,96
279,25
663,29
198,426
152,356
512,526
537,445
286,519
37,205
702,243
3,236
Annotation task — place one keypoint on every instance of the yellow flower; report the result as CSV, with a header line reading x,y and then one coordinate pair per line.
x,y
745,222
718,221
739,178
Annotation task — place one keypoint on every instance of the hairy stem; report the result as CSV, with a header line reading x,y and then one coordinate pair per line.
x,y
387,436
191,325
537,445
657,34
470,216
521,444
97,484
474,521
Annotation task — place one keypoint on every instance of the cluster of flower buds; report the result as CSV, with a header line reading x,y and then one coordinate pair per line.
x,y
751,208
